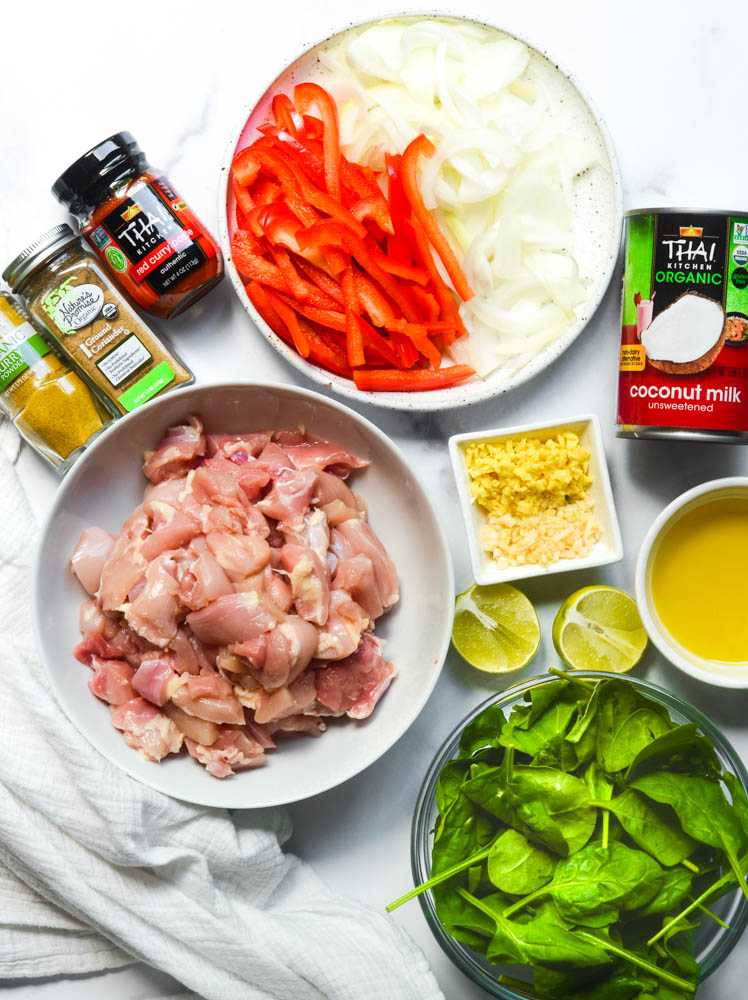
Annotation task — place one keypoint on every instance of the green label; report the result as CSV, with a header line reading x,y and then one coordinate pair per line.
x,y
736,296
116,259
147,387
19,348
637,277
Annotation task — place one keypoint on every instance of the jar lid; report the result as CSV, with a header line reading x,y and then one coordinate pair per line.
x,y
87,181
37,253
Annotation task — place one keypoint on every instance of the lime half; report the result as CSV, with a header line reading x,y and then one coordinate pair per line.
x,y
496,628
599,628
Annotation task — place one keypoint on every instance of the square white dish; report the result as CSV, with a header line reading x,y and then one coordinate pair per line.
x,y
609,548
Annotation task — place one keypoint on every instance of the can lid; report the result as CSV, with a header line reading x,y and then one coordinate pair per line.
x,y
88,181
680,209
36,253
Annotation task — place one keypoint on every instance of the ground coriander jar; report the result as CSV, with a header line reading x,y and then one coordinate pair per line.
x,y
50,405
154,246
67,293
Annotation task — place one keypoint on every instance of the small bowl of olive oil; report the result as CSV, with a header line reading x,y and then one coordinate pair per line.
x,y
692,582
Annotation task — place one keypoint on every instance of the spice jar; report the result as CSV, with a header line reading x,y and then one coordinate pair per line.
x,y
51,406
68,294
149,239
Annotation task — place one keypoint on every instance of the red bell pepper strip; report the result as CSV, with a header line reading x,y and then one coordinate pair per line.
x,y
420,338
406,352
289,317
420,380
307,158
361,180
354,338
427,301
313,127
421,146
242,196
406,271
251,264
252,160
305,95
325,353
324,317
374,341
423,250
333,234
297,286
375,209
377,307
279,224
286,116
265,192
258,297
323,281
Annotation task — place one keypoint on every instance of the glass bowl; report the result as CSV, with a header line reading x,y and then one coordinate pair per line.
x,y
713,943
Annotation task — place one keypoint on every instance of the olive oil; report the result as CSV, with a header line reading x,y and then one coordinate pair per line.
x,y
699,580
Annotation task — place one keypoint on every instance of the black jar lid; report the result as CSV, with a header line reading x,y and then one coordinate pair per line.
x,y
87,182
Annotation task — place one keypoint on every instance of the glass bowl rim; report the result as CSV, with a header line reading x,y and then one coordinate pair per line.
x,y
419,842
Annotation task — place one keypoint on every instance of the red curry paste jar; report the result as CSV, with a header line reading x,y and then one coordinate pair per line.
x,y
151,242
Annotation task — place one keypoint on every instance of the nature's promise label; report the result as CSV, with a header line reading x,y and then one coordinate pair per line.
x,y
683,362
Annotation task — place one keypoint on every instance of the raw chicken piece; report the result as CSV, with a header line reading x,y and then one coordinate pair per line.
x,y
233,750
146,729
111,681
274,460
189,725
91,552
125,565
234,618
153,613
356,577
355,537
209,696
228,445
239,555
291,699
315,533
290,496
251,477
178,530
278,657
353,686
310,452
177,451
310,584
345,625
155,680
310,725
329,488
203,579
184,657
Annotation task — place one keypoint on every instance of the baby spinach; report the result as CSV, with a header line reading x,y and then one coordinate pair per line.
x,y
585,836
516,866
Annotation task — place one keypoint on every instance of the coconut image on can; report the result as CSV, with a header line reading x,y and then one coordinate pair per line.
x,y
680,374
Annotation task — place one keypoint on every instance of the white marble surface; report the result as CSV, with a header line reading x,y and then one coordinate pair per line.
x,y
668,79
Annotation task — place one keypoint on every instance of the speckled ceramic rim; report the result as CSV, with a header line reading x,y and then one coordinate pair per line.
x,y
424,814
687,662
438,399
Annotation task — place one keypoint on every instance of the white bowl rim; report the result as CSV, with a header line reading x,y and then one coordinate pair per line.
x,y
446,626
641,589
459,395
527,572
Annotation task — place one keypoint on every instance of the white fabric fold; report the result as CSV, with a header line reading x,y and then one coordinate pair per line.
x,y
97,870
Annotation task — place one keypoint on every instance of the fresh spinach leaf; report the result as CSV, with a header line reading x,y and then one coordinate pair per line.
x,y
483,732
663,840
451,777
517,866
684,743
626,724
703,811
675,887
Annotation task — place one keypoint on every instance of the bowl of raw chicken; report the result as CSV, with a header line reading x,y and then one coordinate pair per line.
x,y
242,595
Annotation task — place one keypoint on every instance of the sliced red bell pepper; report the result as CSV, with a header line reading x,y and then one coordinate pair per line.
x,y
280,225
335,235
323,281
286,116
423,252
354,338
361,180
255,158
258,297
247,256
374,208
308,160
420,380
325,317
313,127
377,307
291,320
406,352
406,271
375,342
421,146
420,338
297,286
242,196
305,95
427,302
325,353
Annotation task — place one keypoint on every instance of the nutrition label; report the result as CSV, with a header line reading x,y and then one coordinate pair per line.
x,y
125,359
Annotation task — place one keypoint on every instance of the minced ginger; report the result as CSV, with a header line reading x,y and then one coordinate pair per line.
x,y
534,493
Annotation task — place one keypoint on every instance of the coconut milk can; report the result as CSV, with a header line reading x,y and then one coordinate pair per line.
x,y
684,341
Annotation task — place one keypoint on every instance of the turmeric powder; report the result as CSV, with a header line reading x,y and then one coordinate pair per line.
x,y
51,406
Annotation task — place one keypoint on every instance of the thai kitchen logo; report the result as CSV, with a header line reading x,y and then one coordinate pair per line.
x,y
691,230
130,212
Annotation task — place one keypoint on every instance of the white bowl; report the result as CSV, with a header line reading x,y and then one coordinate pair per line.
x,y
104,487
608,548
730,675
598,212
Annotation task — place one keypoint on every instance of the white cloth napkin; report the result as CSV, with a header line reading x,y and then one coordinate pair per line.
x,y
97,870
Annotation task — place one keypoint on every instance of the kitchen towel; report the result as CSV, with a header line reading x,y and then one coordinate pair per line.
x,y
97,870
